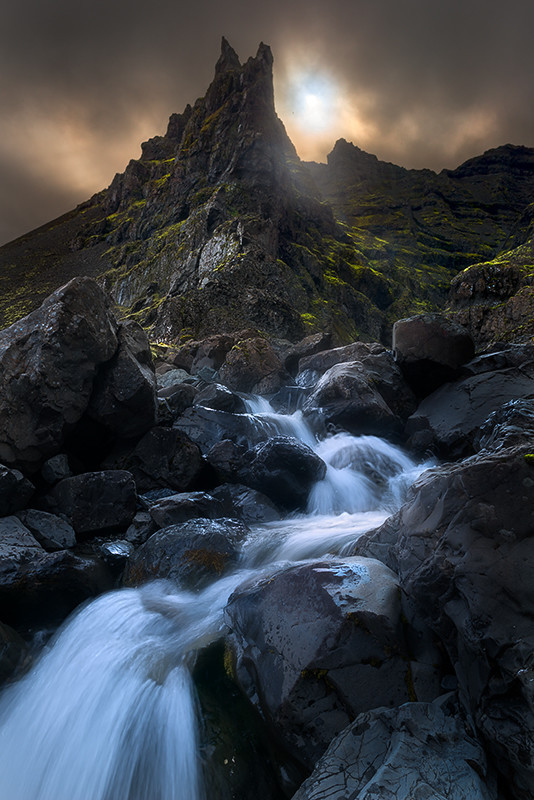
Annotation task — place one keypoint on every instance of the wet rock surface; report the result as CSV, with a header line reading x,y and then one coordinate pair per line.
x,y
96,501
316,644
463,548
417,750
189,554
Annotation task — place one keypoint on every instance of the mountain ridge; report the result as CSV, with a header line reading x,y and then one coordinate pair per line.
x,y
219,225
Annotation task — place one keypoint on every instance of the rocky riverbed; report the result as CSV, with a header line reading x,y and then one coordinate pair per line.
x,y
312,565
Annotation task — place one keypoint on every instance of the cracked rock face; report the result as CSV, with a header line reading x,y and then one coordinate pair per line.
x,y
415,751
463,547
316,644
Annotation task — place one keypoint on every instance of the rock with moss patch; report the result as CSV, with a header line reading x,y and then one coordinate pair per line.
x,y
191,554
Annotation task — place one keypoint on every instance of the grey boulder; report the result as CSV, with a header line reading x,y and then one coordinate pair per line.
x,y
316,644
415,751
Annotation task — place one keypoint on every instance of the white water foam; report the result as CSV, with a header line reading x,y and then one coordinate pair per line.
x,y
109,712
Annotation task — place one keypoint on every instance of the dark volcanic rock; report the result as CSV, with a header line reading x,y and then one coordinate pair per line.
x,y
48,363
45,588
184,506
191,553
308,346
416,751
512,424
449,419
96,501
346,397
207,427
15,491
124,396
245,503
221,399
253,366
164,457
284,469
13,652
463,546
52,532
430,348
317,644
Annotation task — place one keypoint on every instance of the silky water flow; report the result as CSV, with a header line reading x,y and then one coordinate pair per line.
x,y
109,711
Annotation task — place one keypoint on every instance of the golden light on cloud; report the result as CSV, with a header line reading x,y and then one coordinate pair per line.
x,y
316,109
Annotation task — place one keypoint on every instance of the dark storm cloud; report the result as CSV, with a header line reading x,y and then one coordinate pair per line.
x,y
420,82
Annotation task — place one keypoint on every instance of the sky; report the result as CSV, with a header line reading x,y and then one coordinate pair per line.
x,y
421,83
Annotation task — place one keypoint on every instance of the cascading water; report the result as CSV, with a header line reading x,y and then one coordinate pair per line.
x,y
109,711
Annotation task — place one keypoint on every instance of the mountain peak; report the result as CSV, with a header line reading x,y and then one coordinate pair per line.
x,y
228,60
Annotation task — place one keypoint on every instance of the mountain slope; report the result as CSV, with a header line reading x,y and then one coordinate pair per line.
x,y
220,226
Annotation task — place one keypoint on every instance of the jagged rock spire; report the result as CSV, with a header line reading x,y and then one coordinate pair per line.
x,y
228,58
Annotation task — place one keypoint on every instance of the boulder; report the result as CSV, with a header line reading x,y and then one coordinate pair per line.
x,y
13,652
207,427
316,644
430,348
48,364
184,506
56,468
415,751
15,491
211,352
512,424
346,397
52,532
245,503
192,553
174,400
172,377
220,398
164,457
253,366
227,458
284,469
463,546
17,544
45,588
124,394
309,346
96,501
142,526
448,420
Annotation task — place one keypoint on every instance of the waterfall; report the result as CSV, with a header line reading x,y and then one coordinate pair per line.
x,y
109,710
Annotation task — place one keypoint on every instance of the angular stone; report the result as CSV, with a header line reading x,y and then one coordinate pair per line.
x,y
252,365
96,501
415,751
192,553
124,396
44,589
52,532
165,457
430,348
184,506
48,363
56,468
15,491
464,550
245,503
449,419
284,469
346,396
317,643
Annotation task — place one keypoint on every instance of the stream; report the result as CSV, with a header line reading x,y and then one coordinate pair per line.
x,y
109,711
